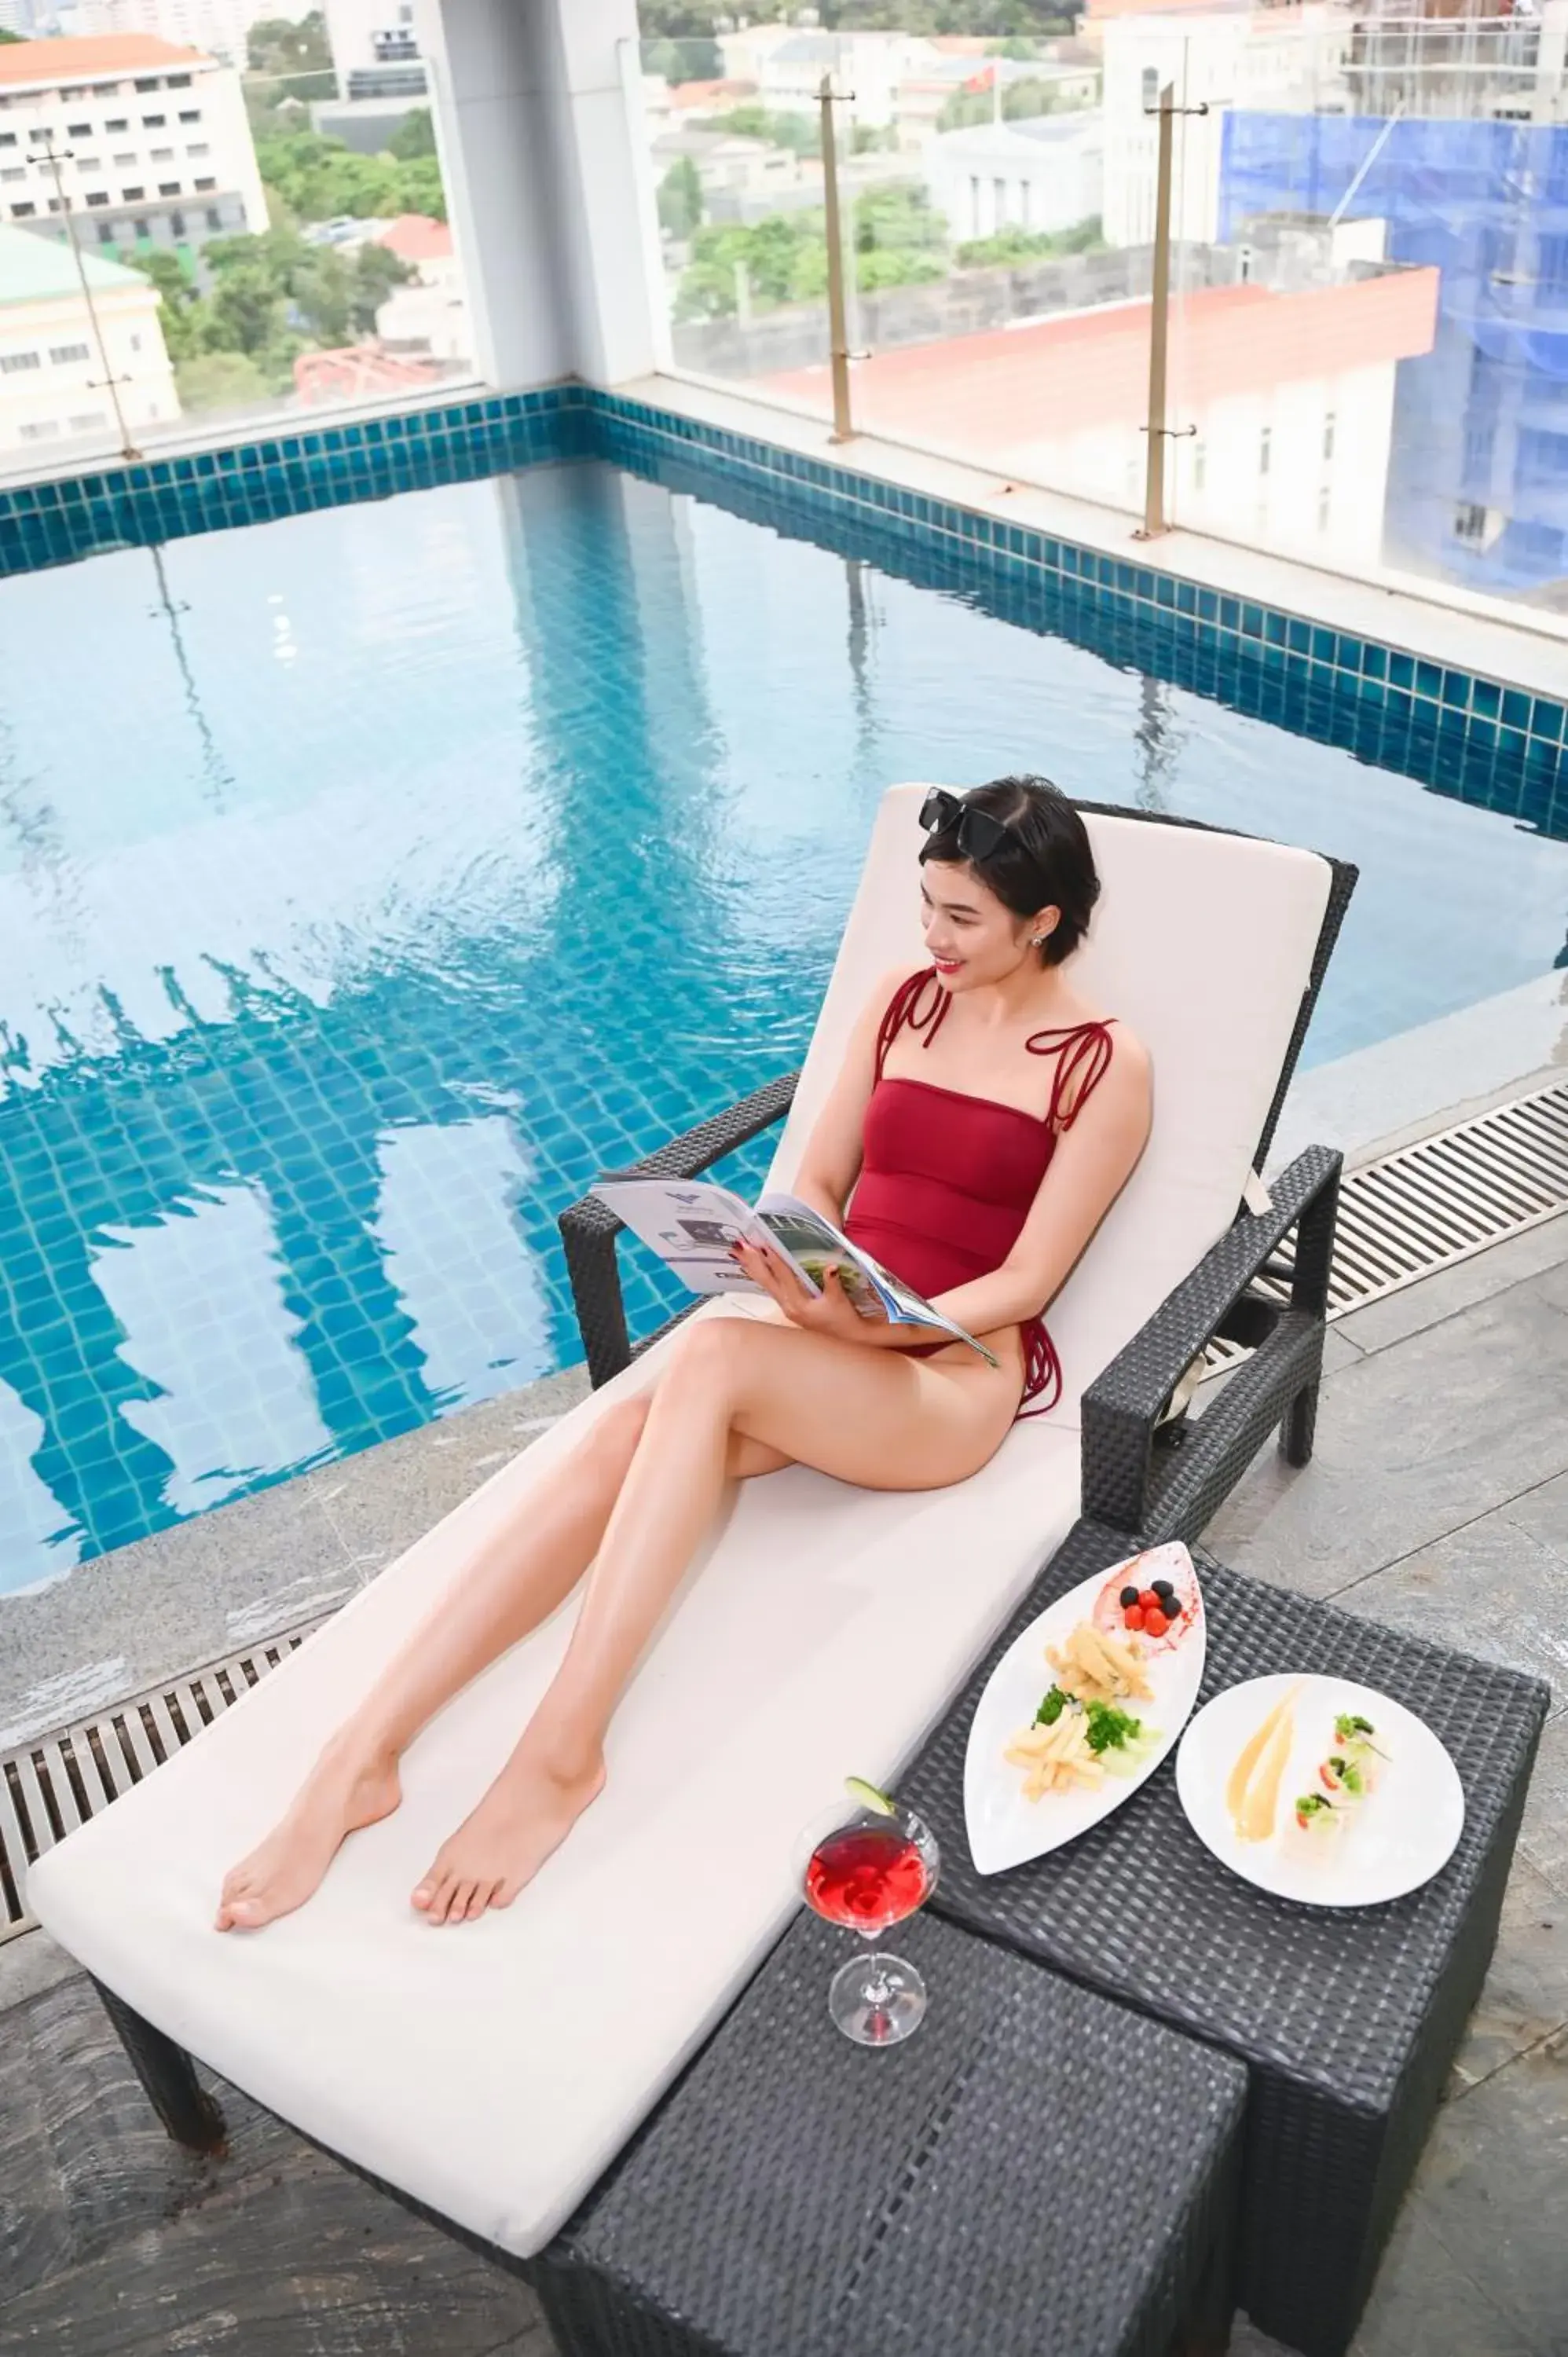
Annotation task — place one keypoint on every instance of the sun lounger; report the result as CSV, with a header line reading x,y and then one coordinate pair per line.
x,y
491,2073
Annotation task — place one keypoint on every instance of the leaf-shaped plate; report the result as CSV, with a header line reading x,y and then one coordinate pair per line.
x,y
1006,1829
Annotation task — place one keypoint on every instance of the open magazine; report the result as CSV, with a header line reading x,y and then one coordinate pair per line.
x,y
692,1223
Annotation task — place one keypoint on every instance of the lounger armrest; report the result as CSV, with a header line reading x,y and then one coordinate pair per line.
x,y
589,1228
1122,1405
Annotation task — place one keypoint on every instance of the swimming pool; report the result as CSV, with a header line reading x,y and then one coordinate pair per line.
x,y
371,879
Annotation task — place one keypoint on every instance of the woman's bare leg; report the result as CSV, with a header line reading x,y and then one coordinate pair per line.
x,y
515,1582
877,1418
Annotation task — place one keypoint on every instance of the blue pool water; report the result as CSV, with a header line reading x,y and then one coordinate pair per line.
x,y
370,879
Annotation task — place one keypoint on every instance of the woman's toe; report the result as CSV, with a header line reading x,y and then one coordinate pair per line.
x,y
480,1900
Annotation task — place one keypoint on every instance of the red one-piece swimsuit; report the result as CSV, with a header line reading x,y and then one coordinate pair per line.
x,y
947,1180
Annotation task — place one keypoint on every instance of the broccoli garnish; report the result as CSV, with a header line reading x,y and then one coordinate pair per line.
x,y
1051,1709
1109,1729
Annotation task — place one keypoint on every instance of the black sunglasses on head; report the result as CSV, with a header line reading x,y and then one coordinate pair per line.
x,y
976,834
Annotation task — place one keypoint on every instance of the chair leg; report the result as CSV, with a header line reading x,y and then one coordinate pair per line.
x,y
1299,1426
168,2076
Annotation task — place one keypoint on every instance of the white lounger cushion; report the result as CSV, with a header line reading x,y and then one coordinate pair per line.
x,y
493,2071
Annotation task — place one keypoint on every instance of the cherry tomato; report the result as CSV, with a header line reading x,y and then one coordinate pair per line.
x,y
1149,1600
1133,1617
1154,1624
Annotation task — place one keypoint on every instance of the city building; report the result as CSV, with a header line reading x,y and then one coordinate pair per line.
x,y
1213,59
741,180
375,49
428,316
219,27
144,143
59,347
1036,174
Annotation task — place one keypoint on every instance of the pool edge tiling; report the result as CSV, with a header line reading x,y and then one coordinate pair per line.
x,y
1386,704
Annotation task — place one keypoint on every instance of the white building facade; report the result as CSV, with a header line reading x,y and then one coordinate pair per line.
x,y
219,27
1039,175
376,48
58,356
1280,59
149,143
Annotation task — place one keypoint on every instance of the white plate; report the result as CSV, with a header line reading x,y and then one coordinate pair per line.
x,y
1402,1833
1005,1829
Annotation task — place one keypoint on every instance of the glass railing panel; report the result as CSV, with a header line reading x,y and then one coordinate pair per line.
x,y
213,241
730,127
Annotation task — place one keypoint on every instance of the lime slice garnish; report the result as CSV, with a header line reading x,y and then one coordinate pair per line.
x,y
868,1796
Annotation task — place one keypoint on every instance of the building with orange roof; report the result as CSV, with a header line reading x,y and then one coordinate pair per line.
x,y
143,142
1283,402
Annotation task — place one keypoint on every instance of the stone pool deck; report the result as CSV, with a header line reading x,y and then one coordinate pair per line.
x,y
1437,1500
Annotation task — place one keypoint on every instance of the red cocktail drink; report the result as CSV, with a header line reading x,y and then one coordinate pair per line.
x,y
867,1877
868,1873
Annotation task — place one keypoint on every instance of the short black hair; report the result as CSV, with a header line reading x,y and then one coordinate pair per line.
x,y
1044,860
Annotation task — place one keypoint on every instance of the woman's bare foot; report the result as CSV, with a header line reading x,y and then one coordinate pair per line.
x,y
343,1792
528,1811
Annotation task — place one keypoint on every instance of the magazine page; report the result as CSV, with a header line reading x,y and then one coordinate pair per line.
x,y
690,1224
814,1244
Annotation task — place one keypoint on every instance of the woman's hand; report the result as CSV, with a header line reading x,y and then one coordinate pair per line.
x,y
828,1312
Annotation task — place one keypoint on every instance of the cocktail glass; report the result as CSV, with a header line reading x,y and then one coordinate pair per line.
x,y
866,1872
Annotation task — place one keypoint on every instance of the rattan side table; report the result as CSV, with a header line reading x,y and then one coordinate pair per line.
x,y
1034,2171
1346,2019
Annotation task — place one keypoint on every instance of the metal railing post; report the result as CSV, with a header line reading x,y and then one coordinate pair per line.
x,y
1159,329
838,332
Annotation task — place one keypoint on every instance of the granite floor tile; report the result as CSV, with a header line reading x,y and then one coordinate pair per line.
x,y
1424,2304
1413,1441
1526,1995
1543,1512
1491,2186
1544,1836
1488,1589
1449,1290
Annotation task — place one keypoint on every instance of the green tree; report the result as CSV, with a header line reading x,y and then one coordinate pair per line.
x,y
897,217
181,312
5,35
682,60
414,137
276,46
220,381
680,199
1013,245
801,133
376,271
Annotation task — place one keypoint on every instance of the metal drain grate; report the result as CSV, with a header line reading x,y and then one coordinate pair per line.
x,y
53,1785
1404,1217
1437,1202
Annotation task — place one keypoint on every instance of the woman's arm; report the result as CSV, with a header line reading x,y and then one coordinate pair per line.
x,y
1092,1162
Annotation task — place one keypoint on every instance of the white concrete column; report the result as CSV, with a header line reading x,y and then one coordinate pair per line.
x,y
548,192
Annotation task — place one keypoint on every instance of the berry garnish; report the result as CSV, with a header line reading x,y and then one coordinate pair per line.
x,y
1128,1597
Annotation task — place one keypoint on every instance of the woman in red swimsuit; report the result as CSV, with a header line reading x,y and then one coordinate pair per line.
x,y
983,1123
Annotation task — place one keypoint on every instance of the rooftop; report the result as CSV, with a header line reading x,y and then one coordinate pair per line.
x,y
40,269
414,237
90,58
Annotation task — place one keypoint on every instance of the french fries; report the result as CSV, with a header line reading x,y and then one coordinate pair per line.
x,y
1094,1666
1057,1758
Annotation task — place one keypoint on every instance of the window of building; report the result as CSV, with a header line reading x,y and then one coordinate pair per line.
x,y
57,204
85,163
1151,88
121,162
1199,465
191,115
214,217
177,224
89,422
105,229
203,185
133,195
1323,505
79,130
1265,449
98,196
23,212
160,155
1329,424
141,227
151,82
62,355
13,363
42,136
154,122
39,429
13,172
1025,190
198,147
120,123
168,187
177,82
136,343
1469,522
7,138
